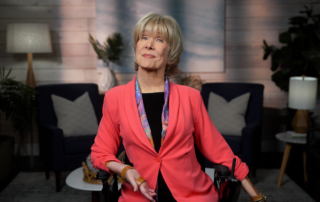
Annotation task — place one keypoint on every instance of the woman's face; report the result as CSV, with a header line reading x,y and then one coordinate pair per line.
x,y
152,51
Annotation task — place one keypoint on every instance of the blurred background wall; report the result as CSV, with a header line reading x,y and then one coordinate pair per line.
x,y
247,23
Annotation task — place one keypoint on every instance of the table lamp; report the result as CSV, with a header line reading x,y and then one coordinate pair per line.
x,y
28,38
302,96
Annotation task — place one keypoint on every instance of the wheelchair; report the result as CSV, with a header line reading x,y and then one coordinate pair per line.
x,y
227,185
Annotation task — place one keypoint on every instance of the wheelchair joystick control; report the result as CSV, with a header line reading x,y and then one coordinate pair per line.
x,y
227,185
233,166
231,176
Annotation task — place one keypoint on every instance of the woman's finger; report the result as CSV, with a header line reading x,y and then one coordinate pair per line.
x,y
145,191
152,191
132,175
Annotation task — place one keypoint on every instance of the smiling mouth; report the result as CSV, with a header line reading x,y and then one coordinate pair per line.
x,y
148,56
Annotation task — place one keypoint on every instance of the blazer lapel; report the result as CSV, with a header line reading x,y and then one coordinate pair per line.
x,y
133,115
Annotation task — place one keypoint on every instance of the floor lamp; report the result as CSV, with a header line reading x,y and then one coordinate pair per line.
x,y
302,96
28,38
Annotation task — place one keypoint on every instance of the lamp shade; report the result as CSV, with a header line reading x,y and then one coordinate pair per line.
x,y
28,38
302,92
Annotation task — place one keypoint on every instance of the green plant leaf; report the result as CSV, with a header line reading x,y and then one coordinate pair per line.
x,y
295,30
17,103
299,20
111,49
285,37
280,78
300,53
276,60
308,11
268,50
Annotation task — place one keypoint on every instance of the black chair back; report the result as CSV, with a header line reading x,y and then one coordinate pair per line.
x,y
230,91
71,92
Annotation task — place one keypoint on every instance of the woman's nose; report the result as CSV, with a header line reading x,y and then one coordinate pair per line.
x,y
149,44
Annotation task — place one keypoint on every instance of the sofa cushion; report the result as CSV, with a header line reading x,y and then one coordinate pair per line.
x,y
228,117
76,117
80,144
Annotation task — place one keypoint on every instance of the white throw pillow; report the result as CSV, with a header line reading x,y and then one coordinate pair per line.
x,y
77,117
228,117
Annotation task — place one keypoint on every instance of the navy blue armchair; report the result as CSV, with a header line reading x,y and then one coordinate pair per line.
x,y
247,146
59,153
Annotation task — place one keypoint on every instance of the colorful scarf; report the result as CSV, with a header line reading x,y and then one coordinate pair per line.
x,y
164,116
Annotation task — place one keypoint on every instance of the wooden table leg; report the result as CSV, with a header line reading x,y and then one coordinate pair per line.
x,y
284,162
304,166
95,196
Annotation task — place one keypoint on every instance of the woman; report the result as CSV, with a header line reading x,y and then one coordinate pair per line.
x,y
159,122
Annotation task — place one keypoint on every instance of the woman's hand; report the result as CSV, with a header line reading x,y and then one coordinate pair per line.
x,y
252,191
131,176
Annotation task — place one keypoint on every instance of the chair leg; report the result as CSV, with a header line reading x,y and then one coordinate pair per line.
x,y
58,177
46,168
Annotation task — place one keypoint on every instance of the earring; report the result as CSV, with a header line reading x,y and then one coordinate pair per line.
x,y
167,66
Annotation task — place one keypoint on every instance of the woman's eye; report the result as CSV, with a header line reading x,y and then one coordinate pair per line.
x,y
144,37
160,40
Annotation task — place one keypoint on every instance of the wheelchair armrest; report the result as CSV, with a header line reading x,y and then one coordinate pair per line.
x,y
111,191
222,171
103,175
227,185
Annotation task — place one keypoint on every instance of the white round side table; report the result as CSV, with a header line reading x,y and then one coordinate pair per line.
x,y
74,180
291,138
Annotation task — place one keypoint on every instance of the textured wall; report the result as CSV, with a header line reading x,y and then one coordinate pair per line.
x,y
201,22
72,59
70,22
247,23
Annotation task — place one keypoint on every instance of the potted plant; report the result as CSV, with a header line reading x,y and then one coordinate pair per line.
x,y
109,52
17,106
300,53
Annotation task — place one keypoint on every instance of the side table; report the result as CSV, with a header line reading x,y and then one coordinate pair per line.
x,y
75,180
291,140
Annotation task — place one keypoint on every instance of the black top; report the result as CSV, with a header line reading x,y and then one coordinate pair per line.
x,y
153,104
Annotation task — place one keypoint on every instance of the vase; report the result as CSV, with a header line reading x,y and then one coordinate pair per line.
x,y
107,79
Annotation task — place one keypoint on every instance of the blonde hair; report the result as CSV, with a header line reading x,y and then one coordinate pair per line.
x,y
169,29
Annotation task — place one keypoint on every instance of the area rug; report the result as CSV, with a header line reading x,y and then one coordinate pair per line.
x,y
33,187
266,183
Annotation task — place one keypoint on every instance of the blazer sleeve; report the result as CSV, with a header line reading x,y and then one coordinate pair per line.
x,y
107,140
211,143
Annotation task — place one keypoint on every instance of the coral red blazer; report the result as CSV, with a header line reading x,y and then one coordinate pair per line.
x,y
189,123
